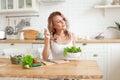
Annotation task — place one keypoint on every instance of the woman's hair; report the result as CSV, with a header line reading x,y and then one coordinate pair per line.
x,y
51,25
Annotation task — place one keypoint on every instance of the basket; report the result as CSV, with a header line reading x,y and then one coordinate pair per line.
x,y
30,34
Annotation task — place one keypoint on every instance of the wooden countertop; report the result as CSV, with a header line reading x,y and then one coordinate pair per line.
x,y
83,69
78,41
23,41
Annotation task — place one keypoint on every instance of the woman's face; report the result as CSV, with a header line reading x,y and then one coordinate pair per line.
x,y
59,23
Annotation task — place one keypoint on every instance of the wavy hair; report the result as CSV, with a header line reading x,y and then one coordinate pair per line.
x,y
51,25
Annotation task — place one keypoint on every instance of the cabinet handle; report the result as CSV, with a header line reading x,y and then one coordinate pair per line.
x,y
95,55
84,44
11,44
3,54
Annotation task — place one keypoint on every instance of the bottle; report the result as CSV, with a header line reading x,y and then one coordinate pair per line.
x,y
21,35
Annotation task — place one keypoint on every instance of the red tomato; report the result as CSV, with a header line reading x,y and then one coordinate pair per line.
x,y
34,60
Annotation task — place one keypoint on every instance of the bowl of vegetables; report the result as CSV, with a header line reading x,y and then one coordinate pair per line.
x,y
72,52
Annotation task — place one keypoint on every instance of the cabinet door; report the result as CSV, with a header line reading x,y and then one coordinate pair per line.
x,y
3,4
114,61
24,4
10,4
7,4
13,6
96,51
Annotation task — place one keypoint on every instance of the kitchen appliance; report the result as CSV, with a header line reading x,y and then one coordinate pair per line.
x,y
2,35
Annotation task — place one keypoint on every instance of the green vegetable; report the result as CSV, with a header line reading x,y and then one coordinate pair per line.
x,y
27,60
36,64
72,49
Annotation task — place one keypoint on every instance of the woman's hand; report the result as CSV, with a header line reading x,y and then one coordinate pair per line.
x,y
47,44
47,34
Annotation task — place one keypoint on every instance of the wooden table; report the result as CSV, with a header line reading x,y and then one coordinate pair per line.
x,y
83,69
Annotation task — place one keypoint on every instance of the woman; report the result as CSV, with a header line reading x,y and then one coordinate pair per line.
x,y
57,36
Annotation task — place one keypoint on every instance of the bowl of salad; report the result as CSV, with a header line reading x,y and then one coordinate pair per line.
x,y
72,52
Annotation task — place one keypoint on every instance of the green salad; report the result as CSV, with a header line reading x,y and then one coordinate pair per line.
x,y
72,49
27,60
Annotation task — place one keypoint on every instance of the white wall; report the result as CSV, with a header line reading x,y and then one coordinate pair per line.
x,y
84,19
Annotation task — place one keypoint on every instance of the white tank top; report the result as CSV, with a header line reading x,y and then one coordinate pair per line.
x,y
58,49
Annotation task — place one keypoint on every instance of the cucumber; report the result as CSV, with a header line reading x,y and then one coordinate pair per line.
x,y
36,64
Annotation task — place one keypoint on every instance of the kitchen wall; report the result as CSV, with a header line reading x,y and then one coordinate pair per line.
x,y
84,19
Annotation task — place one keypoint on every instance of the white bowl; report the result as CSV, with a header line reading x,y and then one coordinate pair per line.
x,y
73,55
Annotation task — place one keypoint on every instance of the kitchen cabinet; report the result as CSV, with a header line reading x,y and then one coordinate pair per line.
x,y
95,51
14,48
6,4
114,61
13,6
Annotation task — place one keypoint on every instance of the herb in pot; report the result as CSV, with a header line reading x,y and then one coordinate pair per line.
x,y
72,49
16,59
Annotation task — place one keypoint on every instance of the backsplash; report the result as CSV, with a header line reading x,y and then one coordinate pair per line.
x,y
84,19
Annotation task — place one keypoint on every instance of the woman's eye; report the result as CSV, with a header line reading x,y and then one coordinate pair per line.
x,y
58,21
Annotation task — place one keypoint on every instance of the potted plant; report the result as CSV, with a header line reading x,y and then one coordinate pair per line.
x,y
117,26
113,31
16,59
72,52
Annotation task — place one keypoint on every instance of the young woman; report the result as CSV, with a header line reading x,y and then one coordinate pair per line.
x,y
57,36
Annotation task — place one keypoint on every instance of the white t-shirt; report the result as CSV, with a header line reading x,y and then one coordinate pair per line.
x,y
58,49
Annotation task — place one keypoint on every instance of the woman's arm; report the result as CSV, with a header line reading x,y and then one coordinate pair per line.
x,y
46,49
74,39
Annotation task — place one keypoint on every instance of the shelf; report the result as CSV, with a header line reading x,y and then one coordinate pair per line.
x,y
48,1
9,11
107,6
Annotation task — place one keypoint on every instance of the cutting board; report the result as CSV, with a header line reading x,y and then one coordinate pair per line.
x,y
30,34
55,62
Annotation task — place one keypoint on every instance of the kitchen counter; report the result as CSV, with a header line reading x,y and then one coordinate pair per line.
x,y
78,41
83,69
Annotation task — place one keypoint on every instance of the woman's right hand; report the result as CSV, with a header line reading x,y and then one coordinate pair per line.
x,y
47,34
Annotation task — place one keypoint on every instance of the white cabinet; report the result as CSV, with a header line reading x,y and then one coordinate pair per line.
x,y
114,61
13,48
10,6
27,5
95,51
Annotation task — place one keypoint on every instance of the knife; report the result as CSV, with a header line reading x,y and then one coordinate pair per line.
x,y
49,60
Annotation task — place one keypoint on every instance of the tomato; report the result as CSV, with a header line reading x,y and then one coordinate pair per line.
x,y
34,60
